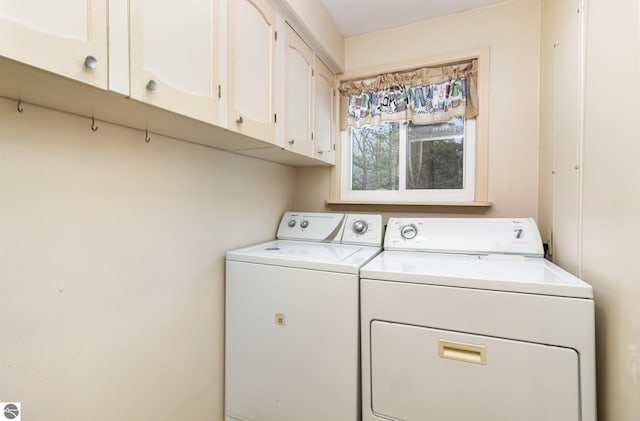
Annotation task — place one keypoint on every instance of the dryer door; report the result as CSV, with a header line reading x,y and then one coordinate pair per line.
x,y
419,373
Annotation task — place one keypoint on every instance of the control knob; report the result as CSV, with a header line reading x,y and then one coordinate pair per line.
x,y
304,224
291,223
408,231
360,226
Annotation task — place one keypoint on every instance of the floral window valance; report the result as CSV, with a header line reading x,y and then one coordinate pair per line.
x,y
423,96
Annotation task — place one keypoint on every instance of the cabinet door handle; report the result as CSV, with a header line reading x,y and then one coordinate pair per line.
x,y
90,62
239,120
291,142
152,85
469,353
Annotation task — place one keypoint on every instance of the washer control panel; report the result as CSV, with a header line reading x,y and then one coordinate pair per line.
x,y
312,226
465,235
365,229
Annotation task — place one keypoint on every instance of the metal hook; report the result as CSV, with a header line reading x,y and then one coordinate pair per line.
x,y
18,107
93,125
146,136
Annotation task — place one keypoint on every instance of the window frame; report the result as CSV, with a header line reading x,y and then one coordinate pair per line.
x,y
466,194
480,164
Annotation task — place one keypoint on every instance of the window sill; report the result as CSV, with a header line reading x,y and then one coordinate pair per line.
x,y
471,207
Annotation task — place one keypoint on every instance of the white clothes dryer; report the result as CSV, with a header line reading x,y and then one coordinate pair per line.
x,y
463,319
292,320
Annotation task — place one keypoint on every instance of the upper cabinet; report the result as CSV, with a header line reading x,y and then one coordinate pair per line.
x,y
174,56
298,98
251,68
324,112
67,37
194,69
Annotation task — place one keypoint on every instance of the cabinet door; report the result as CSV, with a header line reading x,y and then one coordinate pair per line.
x,y
324,110
174,56
298,76
251,74
67,37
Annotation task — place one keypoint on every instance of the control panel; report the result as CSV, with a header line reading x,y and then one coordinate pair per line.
x,y
312,226
465,235
365,229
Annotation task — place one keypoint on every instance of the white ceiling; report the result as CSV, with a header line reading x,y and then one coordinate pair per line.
x,y
355,17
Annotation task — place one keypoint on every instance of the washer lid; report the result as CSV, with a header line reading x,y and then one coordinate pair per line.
x,y
307,255
530,275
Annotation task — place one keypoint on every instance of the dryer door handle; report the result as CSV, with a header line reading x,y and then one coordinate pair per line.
x,y
469,353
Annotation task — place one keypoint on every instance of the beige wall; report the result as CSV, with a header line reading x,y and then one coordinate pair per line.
x,y
112,266
611,200
511,31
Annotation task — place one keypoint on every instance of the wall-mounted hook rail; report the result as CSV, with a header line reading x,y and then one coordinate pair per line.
x,y
146,136
93,125
19,106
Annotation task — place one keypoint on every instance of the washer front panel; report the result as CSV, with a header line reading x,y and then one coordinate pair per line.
x,y
291,344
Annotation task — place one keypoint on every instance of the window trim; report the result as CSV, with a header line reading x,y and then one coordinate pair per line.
x,y
480,195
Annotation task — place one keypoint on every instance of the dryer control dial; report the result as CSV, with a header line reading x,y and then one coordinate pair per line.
x,y
409,232
291,223
304,224
360,226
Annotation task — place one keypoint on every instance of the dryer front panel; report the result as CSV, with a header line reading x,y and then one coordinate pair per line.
x,y
420,373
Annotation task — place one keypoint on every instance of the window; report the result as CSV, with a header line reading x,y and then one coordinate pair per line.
x,y
407,162
410,136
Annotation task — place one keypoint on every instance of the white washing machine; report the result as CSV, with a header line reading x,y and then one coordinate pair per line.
x,y
292,320
463,319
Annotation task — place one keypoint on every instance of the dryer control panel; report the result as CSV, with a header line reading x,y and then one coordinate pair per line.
x,y
518,236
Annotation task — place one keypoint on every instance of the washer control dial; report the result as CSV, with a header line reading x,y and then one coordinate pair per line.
x,y
360,226
408,232
304,224
291,223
